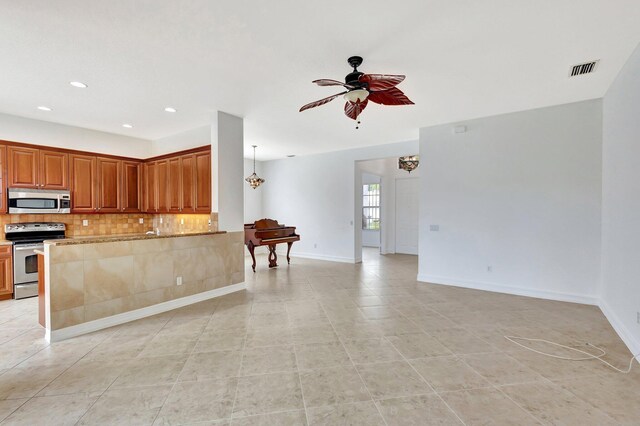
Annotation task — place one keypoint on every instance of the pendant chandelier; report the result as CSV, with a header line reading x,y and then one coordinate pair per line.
x,y
254,180
409,163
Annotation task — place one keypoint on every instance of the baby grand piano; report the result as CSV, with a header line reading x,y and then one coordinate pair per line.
x,y
268,232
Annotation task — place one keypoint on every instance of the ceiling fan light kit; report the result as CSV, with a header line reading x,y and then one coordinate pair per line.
x,y
362,88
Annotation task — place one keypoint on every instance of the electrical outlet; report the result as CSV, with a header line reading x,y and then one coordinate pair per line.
x,y
181,221
85,222
489,268
141,220
315,245
179,281
160,220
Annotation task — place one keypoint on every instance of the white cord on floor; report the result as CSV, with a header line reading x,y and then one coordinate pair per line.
x,y
588,357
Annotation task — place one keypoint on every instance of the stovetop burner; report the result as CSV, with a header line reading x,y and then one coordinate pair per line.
x,y
34,231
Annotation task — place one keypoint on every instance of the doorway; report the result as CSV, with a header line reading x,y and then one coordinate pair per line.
x,y
407,217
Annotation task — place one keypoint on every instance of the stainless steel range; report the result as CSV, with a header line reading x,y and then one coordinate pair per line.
x,y
26,238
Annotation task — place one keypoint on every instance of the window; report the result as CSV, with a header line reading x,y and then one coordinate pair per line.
x,y
371,206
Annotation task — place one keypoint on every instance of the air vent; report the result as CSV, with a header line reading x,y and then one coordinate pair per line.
x,y
586,68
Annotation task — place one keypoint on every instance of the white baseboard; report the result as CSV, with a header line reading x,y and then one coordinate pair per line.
x,y
283,255
542,294
619,327
102,323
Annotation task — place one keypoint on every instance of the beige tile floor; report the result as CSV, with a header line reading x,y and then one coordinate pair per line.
x,y
322,343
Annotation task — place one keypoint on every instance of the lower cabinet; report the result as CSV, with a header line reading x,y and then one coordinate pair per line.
x,y
6,273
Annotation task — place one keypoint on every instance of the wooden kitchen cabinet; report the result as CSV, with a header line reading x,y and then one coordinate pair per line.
x,y
174,180
6,273
109,186
3,179
162,187
131,187
188,175
150,187
101,183
23,167
37,168
53,172
203,182
83,183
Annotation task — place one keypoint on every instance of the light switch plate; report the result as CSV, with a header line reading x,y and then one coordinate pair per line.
x,y
434,228
85,222
141,220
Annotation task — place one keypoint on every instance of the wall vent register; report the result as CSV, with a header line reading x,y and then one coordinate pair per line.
x,y
581,69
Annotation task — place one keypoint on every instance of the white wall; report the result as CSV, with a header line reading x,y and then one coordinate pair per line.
x,y
252,197
370,238
227,167
621,203
26,130
193,138
518,192
317,193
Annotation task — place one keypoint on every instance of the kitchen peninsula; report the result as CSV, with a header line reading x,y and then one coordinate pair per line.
x,y
91,283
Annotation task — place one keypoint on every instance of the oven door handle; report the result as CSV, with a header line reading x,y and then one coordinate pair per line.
x,y
28,247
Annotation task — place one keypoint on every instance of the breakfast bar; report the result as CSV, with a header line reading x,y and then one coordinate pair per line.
x,y
91,283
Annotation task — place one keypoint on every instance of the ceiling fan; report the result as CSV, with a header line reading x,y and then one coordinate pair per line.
x,y
362,88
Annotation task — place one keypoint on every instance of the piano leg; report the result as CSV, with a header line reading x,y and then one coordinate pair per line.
x,y
273,257
289,244
252,248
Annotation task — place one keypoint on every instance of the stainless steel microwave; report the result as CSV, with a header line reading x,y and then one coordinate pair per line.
x,y
30,201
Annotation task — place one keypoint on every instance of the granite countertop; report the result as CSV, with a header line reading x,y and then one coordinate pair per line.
x,y
5,243
36,251
125,237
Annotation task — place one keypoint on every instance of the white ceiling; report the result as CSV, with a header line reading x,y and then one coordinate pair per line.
x,y
463,59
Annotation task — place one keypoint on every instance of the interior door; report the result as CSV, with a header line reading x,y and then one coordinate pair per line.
x,y
407,215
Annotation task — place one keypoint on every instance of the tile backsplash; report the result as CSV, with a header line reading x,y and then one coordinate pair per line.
x,y
118,224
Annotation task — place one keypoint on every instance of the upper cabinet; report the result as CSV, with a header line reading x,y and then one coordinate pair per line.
x,y
3,179
203,182
109,185
37,168
131,187
174,183
83,183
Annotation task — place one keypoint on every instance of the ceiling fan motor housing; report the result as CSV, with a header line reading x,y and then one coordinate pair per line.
x,y
352,79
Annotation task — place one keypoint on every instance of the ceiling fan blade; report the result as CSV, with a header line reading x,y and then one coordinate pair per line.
x,y
330,82
393,96
320,102
377,82
353,109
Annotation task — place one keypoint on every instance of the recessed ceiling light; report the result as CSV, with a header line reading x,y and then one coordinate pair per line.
x,y
127,126
44,108
79,84
170,109
291,155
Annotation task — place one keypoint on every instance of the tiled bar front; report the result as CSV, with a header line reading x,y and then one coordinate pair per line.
x,y
87,282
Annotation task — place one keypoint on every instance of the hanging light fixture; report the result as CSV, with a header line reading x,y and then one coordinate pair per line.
x,y
409,163
254,180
